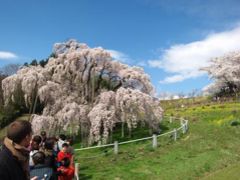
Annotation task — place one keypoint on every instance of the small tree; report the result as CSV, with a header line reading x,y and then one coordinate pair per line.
x,y
43,62
34,62
225,72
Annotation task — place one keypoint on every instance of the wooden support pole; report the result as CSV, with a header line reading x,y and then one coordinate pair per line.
x,y
175,135
122,129
115,147
184,128
154,141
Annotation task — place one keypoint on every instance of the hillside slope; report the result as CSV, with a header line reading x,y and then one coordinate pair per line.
x,y
211,144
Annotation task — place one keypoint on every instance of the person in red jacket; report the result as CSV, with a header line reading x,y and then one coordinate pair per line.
x,y
64,153
66,170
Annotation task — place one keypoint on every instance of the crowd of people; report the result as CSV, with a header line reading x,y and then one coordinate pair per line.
x,y
26,156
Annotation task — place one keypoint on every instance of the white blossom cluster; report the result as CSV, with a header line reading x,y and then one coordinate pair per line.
x,y
84,87
224,70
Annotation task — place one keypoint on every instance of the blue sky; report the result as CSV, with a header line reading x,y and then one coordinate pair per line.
x,y
170,39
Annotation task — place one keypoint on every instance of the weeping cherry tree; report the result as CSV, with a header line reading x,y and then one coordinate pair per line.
x,y
84,89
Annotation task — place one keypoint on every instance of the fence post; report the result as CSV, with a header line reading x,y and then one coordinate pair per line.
x,y
184,128
186,124
182,121
76,171
175,135
154,141
183,125
170,119
115,147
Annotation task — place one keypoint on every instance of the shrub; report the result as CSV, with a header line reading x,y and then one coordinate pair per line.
x,y
234,123
9,117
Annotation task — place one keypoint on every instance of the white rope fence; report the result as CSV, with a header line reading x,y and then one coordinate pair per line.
x,y
184,127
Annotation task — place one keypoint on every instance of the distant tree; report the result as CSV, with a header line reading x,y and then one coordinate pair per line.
x,y
225,71
165,95
25,64
193,93
52,55
34,62
181,95
9,69
1,91
43,62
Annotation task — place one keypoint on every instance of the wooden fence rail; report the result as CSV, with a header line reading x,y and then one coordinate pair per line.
x,y
184,127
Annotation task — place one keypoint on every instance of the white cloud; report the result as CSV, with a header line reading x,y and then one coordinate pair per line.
x,y
141,63
184,60
118,56
173,79
7,55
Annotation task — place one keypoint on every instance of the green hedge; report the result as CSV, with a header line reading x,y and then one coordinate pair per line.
x,y
9,117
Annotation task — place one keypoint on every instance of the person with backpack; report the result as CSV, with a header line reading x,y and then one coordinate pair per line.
x,y
44,137
48,150
39,169
35,146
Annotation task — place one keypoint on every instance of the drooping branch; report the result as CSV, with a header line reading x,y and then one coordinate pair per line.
x,y
83,88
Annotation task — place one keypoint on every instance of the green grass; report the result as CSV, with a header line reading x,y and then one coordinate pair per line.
x,y
210,145
210,150
230,172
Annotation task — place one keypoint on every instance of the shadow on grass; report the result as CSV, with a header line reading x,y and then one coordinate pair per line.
x,y
163,128
137,133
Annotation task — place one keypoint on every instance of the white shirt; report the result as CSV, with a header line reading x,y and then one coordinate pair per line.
x,y
30,158
60,143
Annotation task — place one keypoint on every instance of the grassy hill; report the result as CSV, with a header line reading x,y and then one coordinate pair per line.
x,y
211,146
210,150
230,172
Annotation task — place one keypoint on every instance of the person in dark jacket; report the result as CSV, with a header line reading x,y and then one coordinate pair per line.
x,y
44,137
40,169
14,156
49,153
